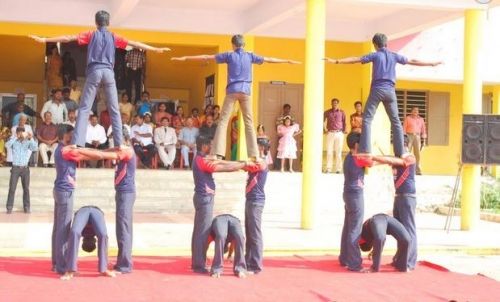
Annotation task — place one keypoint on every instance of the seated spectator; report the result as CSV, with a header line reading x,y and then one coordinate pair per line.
x,y
22,123
144,105
75,92
216,113
56,107
209,110
148,120
4,137
178,119
208,128
125,130
195,116
10,110
187,139
125,106
22,146
105,119
161,113
46,134
142,138
96,135
71,118
17,116
166,139
70,104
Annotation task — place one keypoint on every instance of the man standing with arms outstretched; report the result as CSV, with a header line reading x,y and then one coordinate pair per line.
x,y
239,81
100,62
382,89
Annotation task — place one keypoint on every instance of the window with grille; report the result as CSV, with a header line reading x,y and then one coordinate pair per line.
x,y
407,99
433,108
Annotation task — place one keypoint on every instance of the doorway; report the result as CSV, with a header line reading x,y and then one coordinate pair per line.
x,y
272,97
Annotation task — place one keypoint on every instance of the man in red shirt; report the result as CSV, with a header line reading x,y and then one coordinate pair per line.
x,y
335,128
414,128
100,62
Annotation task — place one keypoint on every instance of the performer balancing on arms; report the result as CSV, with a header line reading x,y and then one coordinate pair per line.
x,y
382,89
100,61
373,237
66,159
239,82
225,229
88,223
203,199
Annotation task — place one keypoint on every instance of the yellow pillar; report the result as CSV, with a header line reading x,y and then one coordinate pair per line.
x,y
472,103
496,110
314,95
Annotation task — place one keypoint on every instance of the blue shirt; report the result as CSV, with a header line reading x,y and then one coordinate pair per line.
x,y
101,48
255,186
204,183
354,175
384,67
404,179
239,69
65,171
125,175
143,108
21,150
189,135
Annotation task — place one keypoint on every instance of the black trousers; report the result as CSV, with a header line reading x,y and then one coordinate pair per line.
x,y
17,172
134,77
145,157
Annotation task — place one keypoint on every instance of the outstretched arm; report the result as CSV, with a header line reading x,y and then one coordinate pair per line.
x,y
143,46
62,39
422,63
395,161
350,60
194,58
280,61
78,154
227,166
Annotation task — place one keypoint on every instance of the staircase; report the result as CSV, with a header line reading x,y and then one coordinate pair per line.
x,y
158,191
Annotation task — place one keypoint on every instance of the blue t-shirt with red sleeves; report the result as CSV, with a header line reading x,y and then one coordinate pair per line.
x,y
384,67
101,48
65,170
354,175
125,175
404,179
204,183
239,69
256,183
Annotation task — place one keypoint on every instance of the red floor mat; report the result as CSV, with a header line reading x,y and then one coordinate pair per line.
x,y
284,279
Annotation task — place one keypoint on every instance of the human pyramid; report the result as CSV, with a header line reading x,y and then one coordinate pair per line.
x,y
89,223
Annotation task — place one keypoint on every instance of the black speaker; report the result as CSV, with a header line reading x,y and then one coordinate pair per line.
x,y
481,139
473,139
492,140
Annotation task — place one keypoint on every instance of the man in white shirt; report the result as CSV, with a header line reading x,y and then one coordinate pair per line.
x,y
57,107
142,141
71,118
187,138
96,135
165,139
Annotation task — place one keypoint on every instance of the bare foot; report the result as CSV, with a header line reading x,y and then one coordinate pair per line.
x,y
367,270
215,275
242,275
109,273
291,171
67,276
282,170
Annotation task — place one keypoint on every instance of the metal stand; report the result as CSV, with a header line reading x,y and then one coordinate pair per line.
x,y
454,197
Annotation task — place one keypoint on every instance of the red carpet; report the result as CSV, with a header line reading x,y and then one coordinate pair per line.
x,y
284,279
